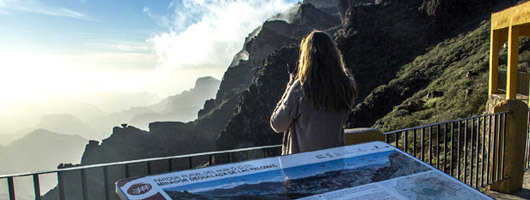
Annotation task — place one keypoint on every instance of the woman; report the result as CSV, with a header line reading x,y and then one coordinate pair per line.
x,y
317,100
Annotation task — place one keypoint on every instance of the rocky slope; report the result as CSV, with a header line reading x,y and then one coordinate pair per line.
x,y
401,53
170,138
380,40
395,33
389,46
173,138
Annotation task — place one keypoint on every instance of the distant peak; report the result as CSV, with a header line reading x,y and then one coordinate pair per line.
x,y
41,131
207,80
322,3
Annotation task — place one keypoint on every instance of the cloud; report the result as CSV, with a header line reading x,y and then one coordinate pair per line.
x,y
30,76
121,46
109,61
38,8
208,33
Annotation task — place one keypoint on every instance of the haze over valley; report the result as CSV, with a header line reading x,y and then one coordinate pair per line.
x,y
72,72
115,81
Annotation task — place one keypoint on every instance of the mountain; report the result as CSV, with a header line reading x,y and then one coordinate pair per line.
x,y
44,147
66,124
382,42
414,62
5,156
444,80
37,151
6,139
180,107
70,125
25,114
173,138
115,101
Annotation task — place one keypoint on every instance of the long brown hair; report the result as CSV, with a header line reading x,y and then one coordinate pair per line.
x,y
326,83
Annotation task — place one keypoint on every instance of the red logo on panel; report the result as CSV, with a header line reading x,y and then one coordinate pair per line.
x,y
139,188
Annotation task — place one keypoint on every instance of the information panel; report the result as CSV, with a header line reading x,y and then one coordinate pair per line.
x,y
374,170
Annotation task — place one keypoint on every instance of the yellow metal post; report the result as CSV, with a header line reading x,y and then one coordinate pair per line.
x,y
494,62
513,51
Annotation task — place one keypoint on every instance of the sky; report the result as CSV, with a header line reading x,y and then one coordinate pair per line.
x,y
52,51
57,47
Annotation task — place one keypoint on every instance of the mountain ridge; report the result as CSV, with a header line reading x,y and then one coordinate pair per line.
x,y
394,48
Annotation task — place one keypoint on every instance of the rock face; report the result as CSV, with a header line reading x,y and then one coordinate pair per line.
x,y
399,51
249,125
236,88
379,40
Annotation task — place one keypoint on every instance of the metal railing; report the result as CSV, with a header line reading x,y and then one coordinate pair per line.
x,y
469,149
216,157
523,82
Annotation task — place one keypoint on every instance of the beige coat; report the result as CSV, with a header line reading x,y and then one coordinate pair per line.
x,y
306,129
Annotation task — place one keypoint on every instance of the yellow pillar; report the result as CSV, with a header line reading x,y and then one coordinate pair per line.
x,y
513,51
495,47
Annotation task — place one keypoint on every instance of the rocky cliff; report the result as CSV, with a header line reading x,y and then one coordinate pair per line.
x,y
395,49
380,41
414,62
171,138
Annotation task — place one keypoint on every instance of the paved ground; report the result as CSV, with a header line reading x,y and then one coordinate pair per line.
x,y
524,193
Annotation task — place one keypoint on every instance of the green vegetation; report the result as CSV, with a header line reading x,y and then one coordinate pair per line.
x,y
458,68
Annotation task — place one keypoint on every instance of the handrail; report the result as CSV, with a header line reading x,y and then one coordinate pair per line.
x,y
446,122
142,160
471,149
481,132
139,161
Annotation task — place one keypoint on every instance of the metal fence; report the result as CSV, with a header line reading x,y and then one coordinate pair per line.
x,y
523,82
470,149
126,167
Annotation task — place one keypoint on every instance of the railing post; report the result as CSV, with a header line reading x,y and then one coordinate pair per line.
x,y
84,184
513,145
11,187
60,181
106,181
36,186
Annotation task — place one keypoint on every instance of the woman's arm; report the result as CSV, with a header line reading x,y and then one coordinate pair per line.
x,y
283,114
